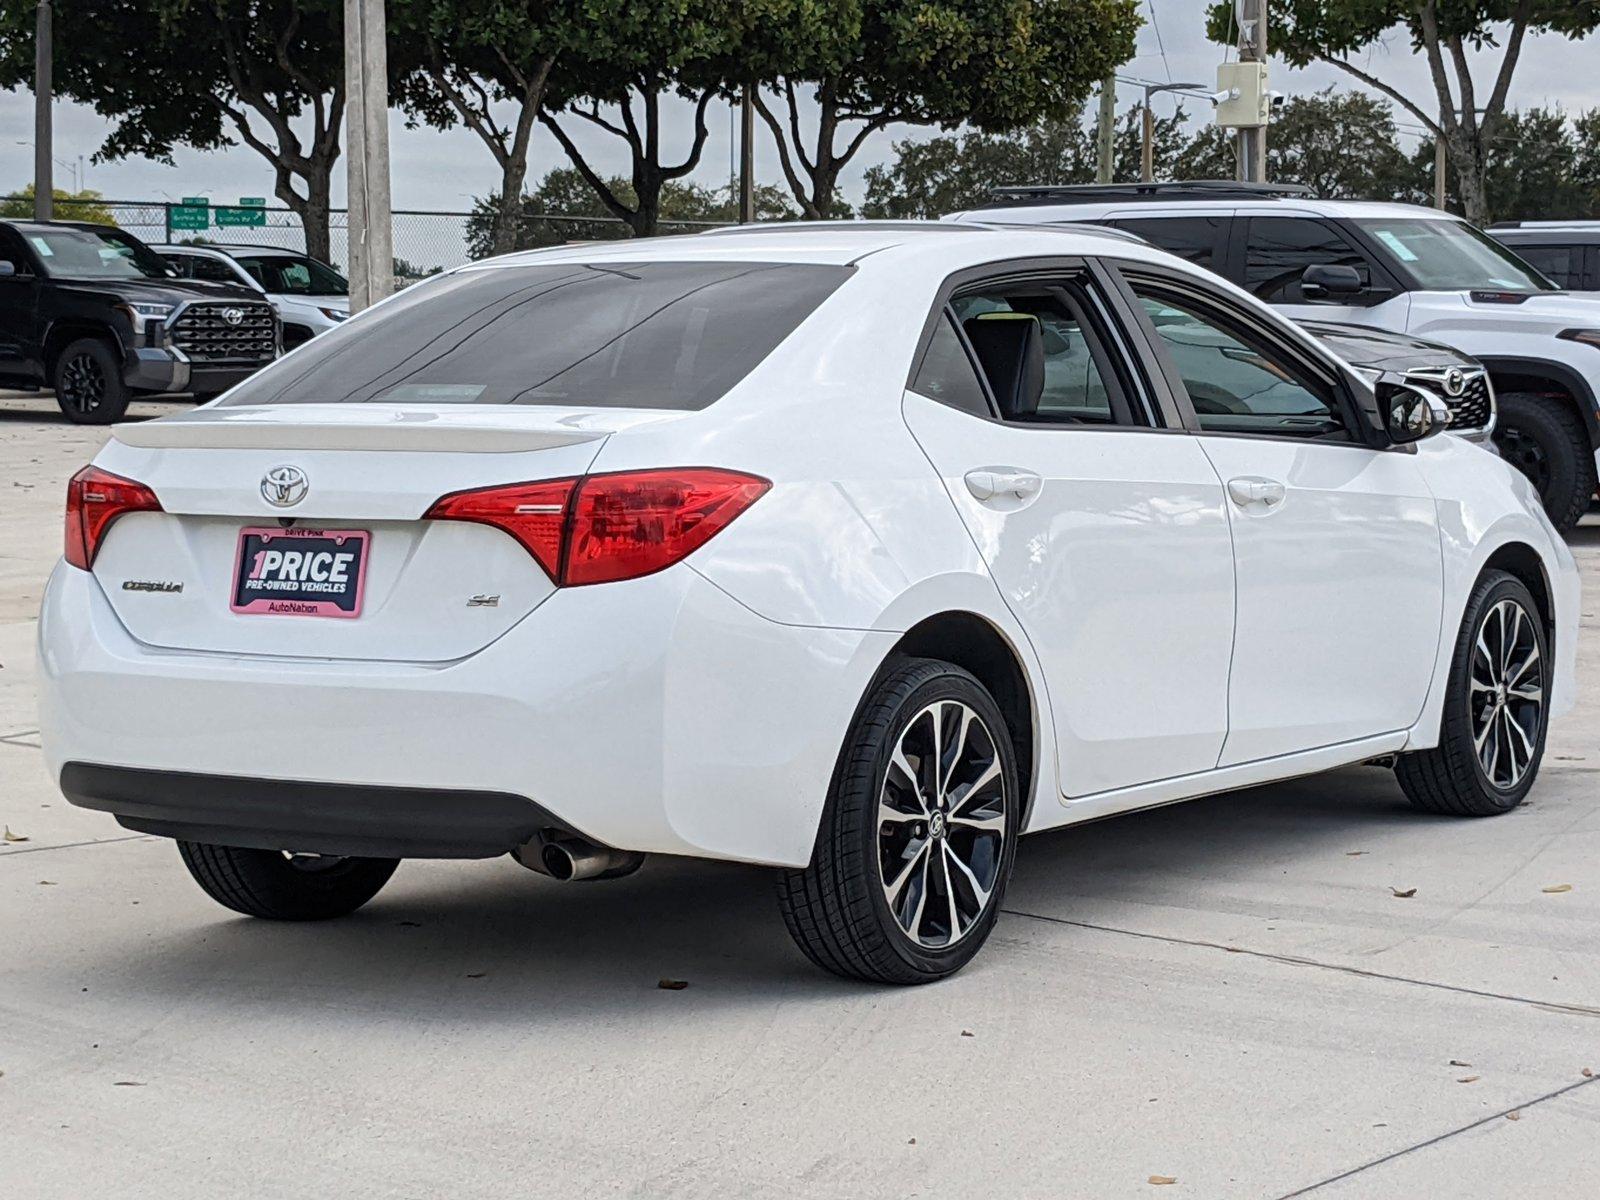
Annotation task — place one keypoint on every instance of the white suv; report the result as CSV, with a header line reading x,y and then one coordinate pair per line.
x,y
1392,266
309,296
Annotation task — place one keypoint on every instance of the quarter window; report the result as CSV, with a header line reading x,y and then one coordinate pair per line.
x,y
947,374
1237,383
1279,249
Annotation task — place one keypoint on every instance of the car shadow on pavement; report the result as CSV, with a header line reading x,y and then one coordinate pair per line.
x,y
491,942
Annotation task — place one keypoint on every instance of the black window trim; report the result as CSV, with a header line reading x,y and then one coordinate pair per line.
x,y
1156,401
1298,347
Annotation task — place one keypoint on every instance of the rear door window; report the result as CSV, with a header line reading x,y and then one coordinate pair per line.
x,y
1198,239
1562,265
665,335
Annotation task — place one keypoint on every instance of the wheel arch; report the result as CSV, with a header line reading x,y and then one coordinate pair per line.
x,y
1514,374
975,644
1522,561
63,333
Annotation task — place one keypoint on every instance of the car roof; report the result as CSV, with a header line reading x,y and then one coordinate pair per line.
x,y
1286,205
842,243
231,250
31,224
1558,232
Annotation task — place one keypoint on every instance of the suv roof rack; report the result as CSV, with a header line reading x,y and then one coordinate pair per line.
x,y
1190,189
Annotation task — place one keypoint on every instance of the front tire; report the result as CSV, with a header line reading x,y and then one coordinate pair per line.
x,y
285,887
1492,737
88,383
918,834
1546,441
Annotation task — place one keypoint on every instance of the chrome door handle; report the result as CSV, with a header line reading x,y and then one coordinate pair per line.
x,y
1253,489
1003,482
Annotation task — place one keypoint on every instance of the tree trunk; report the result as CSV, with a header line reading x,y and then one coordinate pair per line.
x,y
1471,167
506,233
313,209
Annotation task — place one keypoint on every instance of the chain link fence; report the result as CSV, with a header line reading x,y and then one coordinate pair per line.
x,y
425,242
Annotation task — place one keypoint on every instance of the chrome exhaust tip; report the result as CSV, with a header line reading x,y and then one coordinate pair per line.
x,y
570,859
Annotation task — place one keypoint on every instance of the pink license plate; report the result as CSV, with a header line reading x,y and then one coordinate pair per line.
x,y
300,572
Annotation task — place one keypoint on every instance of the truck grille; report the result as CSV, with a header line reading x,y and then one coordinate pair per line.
x,y
1473,409
236,332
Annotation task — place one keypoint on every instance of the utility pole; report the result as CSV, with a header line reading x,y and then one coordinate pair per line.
x,y
747,155
1253,49
366,123
44,185
1105,130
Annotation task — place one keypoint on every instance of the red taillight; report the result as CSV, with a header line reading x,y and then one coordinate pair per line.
x,y
95,498
602,528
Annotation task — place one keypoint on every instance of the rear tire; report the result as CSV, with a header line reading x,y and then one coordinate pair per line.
x,y
1486,760
281,887
88,383
1546,441
918,835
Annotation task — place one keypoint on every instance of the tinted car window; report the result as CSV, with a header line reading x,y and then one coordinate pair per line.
x,y
1237,385
947,374
1193,238
673,335
210,268
1279,249
1074,390
294,275
1562,264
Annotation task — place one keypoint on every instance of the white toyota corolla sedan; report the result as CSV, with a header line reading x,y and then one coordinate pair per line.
x,y
857,550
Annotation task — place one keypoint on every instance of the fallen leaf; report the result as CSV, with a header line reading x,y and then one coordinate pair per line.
x,y
1456,1062
672,985
1587,1073
409,924
47,883
1354,853
1469,1079
966,1033
476,974
1163,1179
1556,888
1403,895
911,1141
1513,1116
14,837
127,1083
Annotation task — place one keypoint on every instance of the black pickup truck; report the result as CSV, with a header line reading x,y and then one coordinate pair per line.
x,y
95,314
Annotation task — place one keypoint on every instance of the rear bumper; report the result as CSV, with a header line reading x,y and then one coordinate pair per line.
x,y
654,715
314,818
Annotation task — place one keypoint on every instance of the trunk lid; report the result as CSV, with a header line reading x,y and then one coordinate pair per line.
x,y
430,591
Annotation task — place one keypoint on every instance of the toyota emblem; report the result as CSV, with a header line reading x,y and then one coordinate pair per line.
x,y
233,316
283,487
1455,382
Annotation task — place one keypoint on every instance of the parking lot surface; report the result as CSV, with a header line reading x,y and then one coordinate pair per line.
x,y
1298,989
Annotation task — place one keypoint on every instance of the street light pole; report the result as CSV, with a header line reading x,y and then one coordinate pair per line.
x,y
44,186
1147,157
371,225
1253,49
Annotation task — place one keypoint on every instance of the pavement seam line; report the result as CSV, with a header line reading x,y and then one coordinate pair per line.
x,y
1296,961
1435,1140
132,837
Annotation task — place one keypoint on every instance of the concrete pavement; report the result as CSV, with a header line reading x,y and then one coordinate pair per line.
x,y
1227,993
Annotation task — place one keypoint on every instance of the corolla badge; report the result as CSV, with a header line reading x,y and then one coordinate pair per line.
x,y
284,486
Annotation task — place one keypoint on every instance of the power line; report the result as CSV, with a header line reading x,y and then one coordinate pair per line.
x,y
1155,25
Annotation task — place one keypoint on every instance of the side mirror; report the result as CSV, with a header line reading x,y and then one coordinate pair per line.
x,y
1321,281
1410,414
7,269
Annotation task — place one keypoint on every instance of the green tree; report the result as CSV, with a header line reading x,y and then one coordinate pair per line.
x,y
206,74
633,54
478,60
1542,166
70,206
1442,32
565,208
867,64
1343,145
946,174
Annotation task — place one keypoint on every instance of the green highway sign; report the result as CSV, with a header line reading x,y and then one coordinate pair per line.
x,y
193,213
252,211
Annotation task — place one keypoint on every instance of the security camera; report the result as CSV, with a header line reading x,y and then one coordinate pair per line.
x,y
1277,100
1225,95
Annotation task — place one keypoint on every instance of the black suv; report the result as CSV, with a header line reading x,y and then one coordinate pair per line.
x,y
1567,251
94,313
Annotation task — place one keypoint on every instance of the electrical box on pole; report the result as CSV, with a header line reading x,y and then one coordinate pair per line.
x,y
1243,101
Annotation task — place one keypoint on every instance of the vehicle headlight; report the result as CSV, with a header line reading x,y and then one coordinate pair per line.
x,y
144,316
1589,337
334,314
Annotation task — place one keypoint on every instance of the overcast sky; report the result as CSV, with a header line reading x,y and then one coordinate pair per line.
x,y
446,170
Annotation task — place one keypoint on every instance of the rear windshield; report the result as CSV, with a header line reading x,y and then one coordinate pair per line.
x,y
671,335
